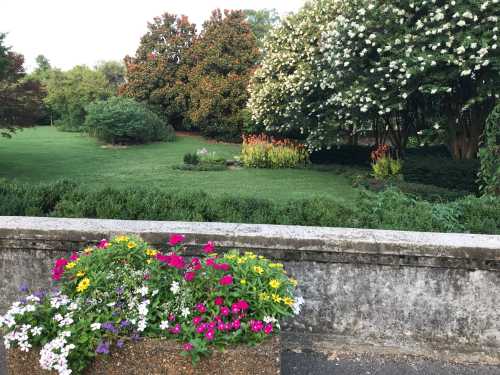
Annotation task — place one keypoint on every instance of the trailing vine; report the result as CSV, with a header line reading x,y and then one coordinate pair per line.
x,y
489,154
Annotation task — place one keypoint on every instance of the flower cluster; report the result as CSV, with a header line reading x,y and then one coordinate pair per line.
x,y
111,294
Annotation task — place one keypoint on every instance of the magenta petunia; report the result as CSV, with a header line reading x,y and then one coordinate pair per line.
x,y
201,328
188,346
189,276
226,280
210,262
210,334
102,244
176,239
224,311
219,300
243,305
236,324
209,247
201,308
196,264
256,325
235,308
176,329
197,320
74,256
268,328
222,266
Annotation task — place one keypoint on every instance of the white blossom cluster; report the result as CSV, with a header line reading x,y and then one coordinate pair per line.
x,y
54,354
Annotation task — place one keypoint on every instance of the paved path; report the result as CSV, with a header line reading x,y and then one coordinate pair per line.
x,y
317,364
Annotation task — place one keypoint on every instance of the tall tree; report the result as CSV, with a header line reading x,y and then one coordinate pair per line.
x,y
224,57
158,74
114,71
261,22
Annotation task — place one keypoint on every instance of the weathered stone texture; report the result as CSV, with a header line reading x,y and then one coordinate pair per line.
x,y
396,288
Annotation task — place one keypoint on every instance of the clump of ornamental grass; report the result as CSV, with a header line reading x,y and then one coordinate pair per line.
x,y
118,291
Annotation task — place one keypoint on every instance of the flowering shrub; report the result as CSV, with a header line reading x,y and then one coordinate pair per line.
x,y
119,291
383,165
261,151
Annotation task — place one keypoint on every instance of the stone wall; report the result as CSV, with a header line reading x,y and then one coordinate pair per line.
x,y
423,293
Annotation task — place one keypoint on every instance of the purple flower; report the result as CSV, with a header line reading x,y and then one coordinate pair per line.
x,y
109,326
119,290
119,343
135,336
124,323
24,287
40,294
102,348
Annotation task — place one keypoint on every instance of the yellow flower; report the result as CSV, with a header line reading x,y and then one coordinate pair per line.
x,y
293,281
276,265
241,260
80,274
243,281
276,298
148,261
261,257
250,255
88,250
83,284
264,297
230,256
258,269
287,301
121,239
275,284
151,252
70,265
131,245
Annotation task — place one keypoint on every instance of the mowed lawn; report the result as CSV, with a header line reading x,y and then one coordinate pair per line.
x,y
44,154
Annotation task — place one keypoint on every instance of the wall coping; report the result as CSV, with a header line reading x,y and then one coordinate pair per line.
x,y
262,236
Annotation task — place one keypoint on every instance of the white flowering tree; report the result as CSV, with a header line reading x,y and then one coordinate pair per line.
x,y
396,67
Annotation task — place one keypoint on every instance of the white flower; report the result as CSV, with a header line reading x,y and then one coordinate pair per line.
x,y
36,331
460,50
185,312
95,326
461,23
143,291
299,301
164,324
175,287
141,326
465,72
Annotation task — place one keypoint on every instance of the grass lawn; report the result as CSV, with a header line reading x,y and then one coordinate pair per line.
x,y
43,154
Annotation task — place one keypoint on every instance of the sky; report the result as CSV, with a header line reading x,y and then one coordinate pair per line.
x,y
72,32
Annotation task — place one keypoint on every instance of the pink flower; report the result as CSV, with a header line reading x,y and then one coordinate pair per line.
x,y
210,262
61,262
268,328
243,305
219,300
227,326
176,261
212,325
176,329
171,317
235,308
210,334
196,264
74,256
176,239
197,320
209,247
221,326
201,328
256,325
226,280
218,318
222,266
236,324
201,308
189,276
224,311
103,244
188,346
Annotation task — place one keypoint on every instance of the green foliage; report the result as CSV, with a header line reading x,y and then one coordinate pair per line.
x,y
191,158
489,155
389,209
264,152
223,58
69,93
386,167
261,22
120,120
442,171
159,72
114,71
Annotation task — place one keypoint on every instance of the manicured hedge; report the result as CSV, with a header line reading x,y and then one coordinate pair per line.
x,y
389,209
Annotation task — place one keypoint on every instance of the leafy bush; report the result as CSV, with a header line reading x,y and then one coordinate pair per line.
x,y
343,154
118,291
191,158
489,173
265,152
121,120
384,166
443,172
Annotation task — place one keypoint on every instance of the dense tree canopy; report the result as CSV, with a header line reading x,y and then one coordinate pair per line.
x,y
223,58
114,71
261,22
158,74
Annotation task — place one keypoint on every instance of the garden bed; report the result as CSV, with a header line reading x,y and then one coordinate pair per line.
x,y
156,356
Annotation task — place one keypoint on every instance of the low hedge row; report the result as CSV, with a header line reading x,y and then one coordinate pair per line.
x,y
389,209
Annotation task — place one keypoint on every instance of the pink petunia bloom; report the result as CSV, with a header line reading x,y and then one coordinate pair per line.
x,y
61,262
171,317
221,326
210,262
226,280
224,311
209,247
188,346
57,274
235,308
256,325
268,328
212,325
201,328
189,276
218,318
197,320
176,329
201,308
176,261
74,256
176,239
222,266
146,276
196,264
243,305
219,300
210,334
103,244
236,324
163,258
227,326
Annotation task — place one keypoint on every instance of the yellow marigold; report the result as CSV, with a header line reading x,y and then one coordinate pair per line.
x,y
151,252
131,245
276,265
121,239
241,260
80,274
70,265
287,301
293,281
250,255
275,284
88,250
83,285
243,282
277,298
258,269
264,297
230,256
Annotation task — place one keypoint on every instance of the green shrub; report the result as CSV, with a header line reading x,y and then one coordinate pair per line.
x,y
122,120
388,209
442,171
191,158
489,154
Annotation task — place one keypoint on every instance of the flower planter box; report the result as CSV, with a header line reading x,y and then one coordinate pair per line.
x,y
156,356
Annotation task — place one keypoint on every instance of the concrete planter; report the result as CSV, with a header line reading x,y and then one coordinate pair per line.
x,y
156,356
